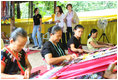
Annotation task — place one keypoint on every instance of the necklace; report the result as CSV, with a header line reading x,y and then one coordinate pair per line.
x,y
58,49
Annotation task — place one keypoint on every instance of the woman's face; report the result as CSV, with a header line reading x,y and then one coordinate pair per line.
x,y
37,11
57,36
95,34
19,44
69,8
57,9
79,32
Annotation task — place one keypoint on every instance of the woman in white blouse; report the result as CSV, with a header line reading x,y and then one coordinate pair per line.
x,y
59,20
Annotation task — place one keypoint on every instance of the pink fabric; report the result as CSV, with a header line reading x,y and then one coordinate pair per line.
x,y
83,68
42,68
34,51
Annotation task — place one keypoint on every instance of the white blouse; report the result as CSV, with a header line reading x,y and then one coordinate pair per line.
x,y
61,19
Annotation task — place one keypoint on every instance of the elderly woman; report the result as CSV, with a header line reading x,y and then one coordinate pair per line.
x,y
71,20
52,51
14,61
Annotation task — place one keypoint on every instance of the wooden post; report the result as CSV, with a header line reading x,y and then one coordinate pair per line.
x,y
54,7
18,10
1,9
30,9
12,15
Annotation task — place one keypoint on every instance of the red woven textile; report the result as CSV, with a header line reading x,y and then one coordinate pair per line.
x,y
77,53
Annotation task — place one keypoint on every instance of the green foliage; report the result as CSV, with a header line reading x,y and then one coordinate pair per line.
x,y
46,8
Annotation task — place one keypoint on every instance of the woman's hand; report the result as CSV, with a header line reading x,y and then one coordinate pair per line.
x,y
110,44
20,77
73,21
68,58
27,73
107,46
80,50
58,21
74,56
65,20
88,51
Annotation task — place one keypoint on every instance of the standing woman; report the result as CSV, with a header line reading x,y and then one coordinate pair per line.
x,y
71,20
59,20
37,21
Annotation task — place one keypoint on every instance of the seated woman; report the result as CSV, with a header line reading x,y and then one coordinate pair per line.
x,y
74,44
14,61
52,51
94,45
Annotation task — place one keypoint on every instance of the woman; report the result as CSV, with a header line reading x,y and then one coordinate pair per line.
x,y
52,51
74,44
71,20
92,44
37,21
14,61
59,20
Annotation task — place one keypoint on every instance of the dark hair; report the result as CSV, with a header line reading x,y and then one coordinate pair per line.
x,y
60,9
54,29
92,31
35,10
49,29
78,26
68,5
18,32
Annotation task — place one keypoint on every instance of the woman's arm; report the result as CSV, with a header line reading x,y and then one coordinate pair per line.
x,y
97,46
40,21
51,61
72,47
28,69
62,20
102,43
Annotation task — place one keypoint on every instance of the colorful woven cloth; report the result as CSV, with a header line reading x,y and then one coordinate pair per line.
x,y
83,68
98,75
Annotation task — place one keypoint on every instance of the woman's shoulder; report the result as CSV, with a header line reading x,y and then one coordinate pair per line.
x,y
38,14
71,39
90,39
47,44
4,51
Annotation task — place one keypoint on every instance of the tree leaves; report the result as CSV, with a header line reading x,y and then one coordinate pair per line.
x,y
46,8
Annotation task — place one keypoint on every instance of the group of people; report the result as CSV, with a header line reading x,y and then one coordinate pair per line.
x,y
14,61
67,23
53,51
